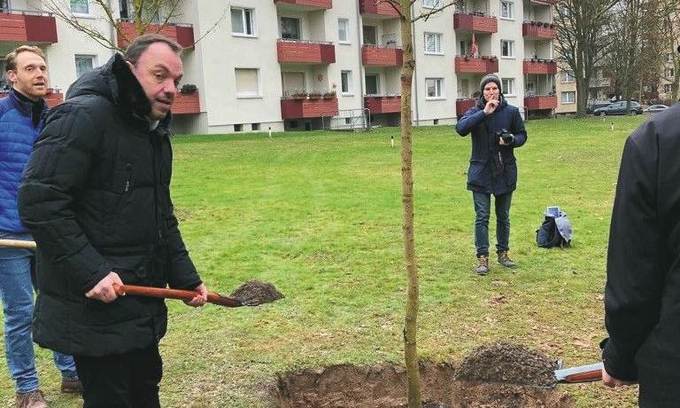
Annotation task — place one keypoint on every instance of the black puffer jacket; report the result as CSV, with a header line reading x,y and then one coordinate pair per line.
x,y
96,197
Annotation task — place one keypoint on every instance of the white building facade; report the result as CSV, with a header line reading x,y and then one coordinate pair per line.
x,y
309,64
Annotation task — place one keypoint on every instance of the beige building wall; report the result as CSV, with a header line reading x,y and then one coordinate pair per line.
x,y
565,88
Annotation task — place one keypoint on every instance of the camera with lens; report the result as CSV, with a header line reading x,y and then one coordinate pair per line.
x,y
506,136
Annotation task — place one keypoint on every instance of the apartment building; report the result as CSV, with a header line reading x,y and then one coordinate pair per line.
x,y
255,65
565,89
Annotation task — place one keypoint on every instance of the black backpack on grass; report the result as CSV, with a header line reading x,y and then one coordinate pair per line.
x,y
555,231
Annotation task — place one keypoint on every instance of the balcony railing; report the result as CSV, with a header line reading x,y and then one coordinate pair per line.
x,y
540,102
27,27
538,30
186,104
308,4
383,104
305,52
477,22
463,104
182,33
382,56
308,107
378,8
540,67
482,65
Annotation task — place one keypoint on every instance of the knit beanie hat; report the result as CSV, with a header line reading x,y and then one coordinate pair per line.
x,y
490,78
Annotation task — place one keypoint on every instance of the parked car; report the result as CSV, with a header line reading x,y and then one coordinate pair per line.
x,y
655,108
619,108
590,108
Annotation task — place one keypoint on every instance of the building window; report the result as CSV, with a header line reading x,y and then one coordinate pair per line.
x,y
431,3
290,28
370,37
84,63
343,30
80,6
569,76
346,82
507,9
433,43
670,72
434,88
508,85
569,97
247,83
372,84
669,57
667,88
242,21
507,48
4,84
4,6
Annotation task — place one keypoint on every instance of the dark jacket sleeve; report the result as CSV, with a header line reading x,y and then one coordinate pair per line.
x,y
518,129
56,171
634,275
471,118
183,274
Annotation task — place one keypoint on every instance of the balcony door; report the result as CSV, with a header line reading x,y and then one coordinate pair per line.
x,y
370,36
372,84
290,28
293,82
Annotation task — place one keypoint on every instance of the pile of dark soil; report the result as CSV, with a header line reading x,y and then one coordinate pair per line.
x,y
509,364
254,292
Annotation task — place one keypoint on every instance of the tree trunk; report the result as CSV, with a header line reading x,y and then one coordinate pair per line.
x,y
410,324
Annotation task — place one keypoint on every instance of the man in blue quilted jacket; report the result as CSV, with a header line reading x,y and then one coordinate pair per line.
x,y
21,119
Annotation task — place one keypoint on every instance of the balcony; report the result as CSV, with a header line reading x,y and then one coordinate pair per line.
x,y
308,107
307,4
540,102
186,104
469,65
539,31
540,67
378,8
27,27
373,56
463,104
383,104
182,33
478,23
305,52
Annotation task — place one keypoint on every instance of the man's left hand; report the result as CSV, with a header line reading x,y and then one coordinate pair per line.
x,y
201,297
612,382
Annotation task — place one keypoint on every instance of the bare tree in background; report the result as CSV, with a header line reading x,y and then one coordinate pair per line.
x,y
582,42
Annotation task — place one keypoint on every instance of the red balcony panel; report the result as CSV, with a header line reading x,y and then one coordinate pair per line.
x,y
476,23
32,28
186,104
378,8
383,104
315,4
468,65
539,31
540,67
382,56
308,108
540,102
462,105
305,52
183,34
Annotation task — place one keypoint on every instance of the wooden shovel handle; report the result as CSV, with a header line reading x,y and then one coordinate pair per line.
x,y
17,243
166,293
593,375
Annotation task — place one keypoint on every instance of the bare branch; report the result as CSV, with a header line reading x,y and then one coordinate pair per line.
x,y
427,15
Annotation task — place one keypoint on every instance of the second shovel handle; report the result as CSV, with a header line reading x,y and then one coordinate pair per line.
x,y
166,293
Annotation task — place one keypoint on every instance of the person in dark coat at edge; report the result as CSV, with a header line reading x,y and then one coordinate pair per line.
x,y
642,293
96,197
497,129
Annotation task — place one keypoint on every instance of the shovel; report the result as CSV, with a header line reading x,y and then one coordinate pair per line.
x,y
17,243
580,374
213,297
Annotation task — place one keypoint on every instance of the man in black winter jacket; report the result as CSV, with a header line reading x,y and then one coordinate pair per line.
x,y
642,295
96,197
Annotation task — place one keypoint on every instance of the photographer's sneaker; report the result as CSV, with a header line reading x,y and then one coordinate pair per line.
x,y
32,399
482,266
71,385
505,260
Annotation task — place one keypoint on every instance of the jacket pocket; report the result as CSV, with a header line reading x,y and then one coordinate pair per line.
x,y
477,174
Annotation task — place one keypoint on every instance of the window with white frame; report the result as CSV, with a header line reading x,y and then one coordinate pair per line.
x,y
84,63
569,97
434,88
669,57
507,48
290,28
433,43
670,72
507,9
346,82
247,82
569,76
508,85
242,21
80,6
343,30
667,88
431,3
4,6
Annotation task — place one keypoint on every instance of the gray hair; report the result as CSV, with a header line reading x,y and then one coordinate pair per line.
x,y
141,43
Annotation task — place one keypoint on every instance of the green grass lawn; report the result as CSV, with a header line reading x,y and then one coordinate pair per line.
x,y
319,215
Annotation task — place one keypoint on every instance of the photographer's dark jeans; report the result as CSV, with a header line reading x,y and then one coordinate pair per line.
x,y
482,210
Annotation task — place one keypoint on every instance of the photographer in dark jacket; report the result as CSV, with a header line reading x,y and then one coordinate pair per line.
x,y
642,295
96,197
497,129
